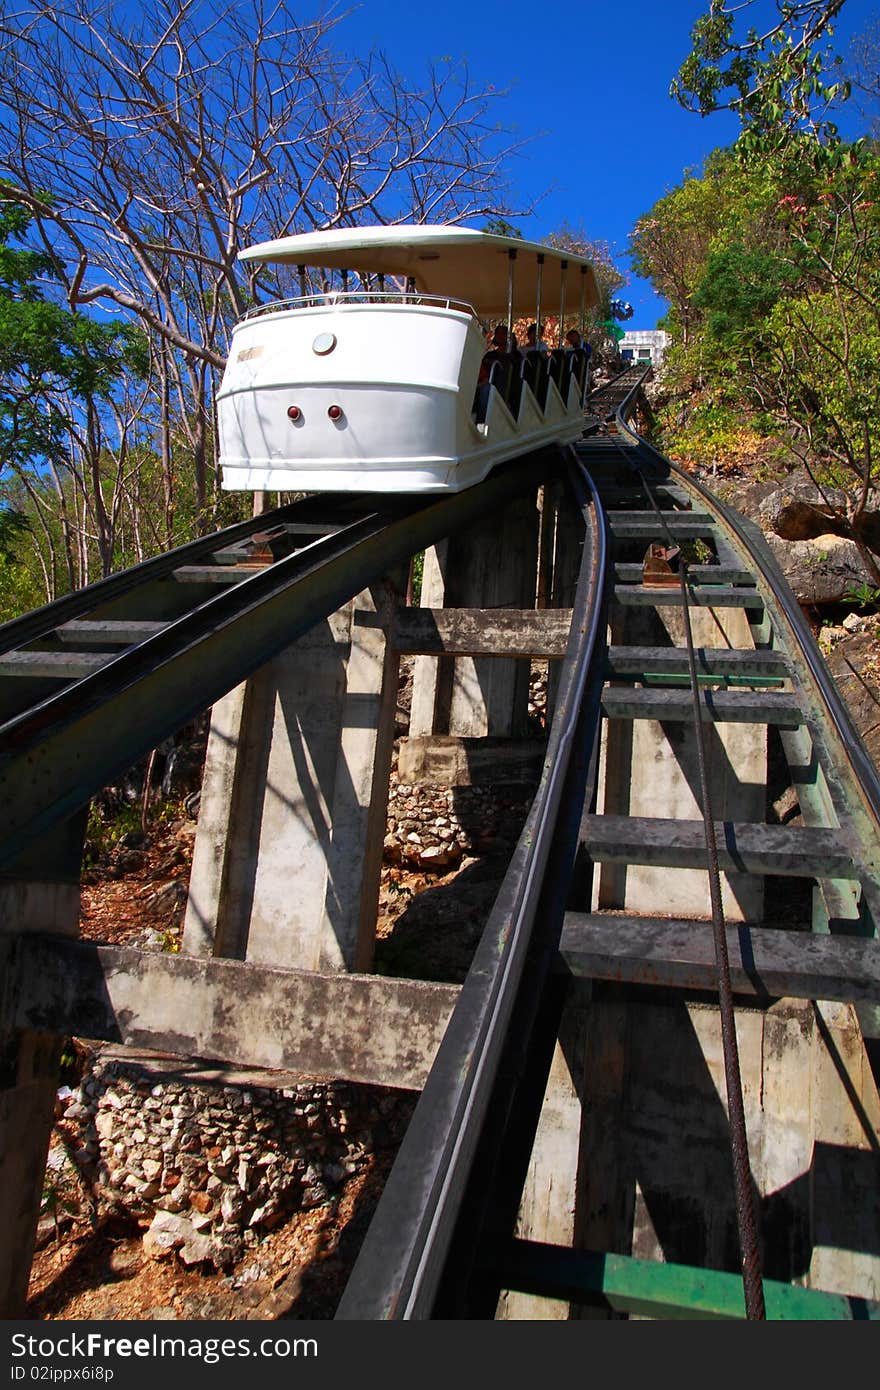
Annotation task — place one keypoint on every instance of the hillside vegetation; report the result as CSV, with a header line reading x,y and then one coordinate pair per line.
x,y
770,260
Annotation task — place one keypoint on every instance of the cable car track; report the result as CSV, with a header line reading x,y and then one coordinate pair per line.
x,y
441,1243
95,680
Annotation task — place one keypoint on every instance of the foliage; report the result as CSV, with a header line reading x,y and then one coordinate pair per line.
x,y
51,360
863,596
108,826
778,81
713,432
418,572
771,258
738,288
13,524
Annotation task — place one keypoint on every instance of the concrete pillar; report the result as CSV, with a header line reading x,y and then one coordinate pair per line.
x,y
291,825
490,565
40,894
548,1210
641,757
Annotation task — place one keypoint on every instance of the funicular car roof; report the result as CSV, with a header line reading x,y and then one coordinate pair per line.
x,y
448,261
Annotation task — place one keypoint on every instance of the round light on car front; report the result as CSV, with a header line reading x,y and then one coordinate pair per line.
x,y
335,412
294,412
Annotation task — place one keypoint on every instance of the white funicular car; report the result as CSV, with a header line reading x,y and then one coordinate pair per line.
x,y
389,387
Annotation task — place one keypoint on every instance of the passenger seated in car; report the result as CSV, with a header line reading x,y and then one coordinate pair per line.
x,y
497,351
577,355
532,343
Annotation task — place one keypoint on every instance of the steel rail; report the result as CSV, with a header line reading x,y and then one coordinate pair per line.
x,y
42,622
55,756
400,1268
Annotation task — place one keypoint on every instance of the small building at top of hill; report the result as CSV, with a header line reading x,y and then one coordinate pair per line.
x,y
643,345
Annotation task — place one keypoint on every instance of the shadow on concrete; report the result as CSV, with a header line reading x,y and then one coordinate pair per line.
x,y
656,1168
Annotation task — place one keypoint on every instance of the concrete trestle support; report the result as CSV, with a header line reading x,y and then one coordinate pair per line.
x,y
30,901
288,850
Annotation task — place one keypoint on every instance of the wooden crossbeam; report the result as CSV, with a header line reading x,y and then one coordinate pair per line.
x,y
680,953
700,595
649,517
648,526
107,633
743,847
214,574
62,666
365,1028
627,572
716,706
721,661
622,494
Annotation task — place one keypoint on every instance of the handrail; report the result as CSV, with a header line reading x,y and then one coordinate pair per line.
x,y
385,298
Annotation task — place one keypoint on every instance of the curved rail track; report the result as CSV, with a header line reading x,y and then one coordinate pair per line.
x,y
442,1241
95,680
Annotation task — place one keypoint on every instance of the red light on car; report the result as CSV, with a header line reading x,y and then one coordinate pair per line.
x,y
335,412
294,412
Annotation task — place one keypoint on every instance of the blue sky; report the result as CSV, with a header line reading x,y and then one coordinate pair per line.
x,y
588,87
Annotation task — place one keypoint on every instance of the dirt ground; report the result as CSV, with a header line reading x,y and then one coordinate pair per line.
x,y
97,1269
297,1271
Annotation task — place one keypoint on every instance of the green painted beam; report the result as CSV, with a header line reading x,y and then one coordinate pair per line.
x,y
651,1289
683,679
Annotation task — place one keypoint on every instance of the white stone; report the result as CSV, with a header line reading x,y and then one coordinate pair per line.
x,y
105,1122
167,1232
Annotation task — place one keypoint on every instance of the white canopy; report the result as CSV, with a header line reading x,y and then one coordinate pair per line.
x,y
454,261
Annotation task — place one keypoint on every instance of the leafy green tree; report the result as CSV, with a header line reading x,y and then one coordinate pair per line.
x,y
64,379
777,79
43,348
775,306
738,288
